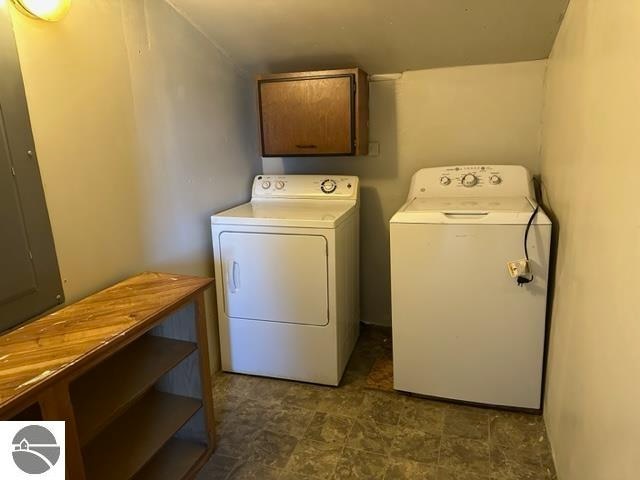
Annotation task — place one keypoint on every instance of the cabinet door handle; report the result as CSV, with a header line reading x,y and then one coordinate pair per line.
x,y
236,276
306,146
233,276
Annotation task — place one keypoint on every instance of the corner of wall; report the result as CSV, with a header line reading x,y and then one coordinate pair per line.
x,y
241,71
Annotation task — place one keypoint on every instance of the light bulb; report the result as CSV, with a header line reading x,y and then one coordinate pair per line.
x,y
50,10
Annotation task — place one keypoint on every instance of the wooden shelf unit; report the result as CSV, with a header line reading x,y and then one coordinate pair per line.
x,y
174,460
108,389
128,443
127,369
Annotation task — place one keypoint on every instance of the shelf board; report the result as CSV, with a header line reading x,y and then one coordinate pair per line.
x,y
126,445
106,391
30,414
173,461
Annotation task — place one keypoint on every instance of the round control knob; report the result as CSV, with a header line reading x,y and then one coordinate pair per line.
x,y
469,180
444,180
266,184
328,186
279,185
495,180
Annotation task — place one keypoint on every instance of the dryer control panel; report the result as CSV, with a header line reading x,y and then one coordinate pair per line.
x,y
472,181
336,187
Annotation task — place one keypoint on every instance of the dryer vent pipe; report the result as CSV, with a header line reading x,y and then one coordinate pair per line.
x,y
385,77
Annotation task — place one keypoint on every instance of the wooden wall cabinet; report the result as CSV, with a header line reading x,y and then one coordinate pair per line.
x,y
320,113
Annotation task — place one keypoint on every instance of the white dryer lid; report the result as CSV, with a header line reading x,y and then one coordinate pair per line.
x,y
469,210
287,213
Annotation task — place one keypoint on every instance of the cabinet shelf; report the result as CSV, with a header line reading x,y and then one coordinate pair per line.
x,y
106,391
174,460
132,440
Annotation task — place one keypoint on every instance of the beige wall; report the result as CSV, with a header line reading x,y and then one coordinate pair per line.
x,y
76,78
142,130
448,116
591,147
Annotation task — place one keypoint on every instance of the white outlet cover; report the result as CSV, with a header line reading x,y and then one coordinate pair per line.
x,y
518,267
374,149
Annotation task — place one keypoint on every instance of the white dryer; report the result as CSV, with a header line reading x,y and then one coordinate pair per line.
x,y
463,327
286,267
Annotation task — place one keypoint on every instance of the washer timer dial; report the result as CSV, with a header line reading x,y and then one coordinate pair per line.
x,y
469,180
328,186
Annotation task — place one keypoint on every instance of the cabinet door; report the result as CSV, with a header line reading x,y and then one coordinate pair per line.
x,y
307,116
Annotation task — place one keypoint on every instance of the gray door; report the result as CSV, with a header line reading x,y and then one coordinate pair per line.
x,y
29,275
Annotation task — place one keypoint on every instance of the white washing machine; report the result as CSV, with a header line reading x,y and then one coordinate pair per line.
x,y
286,267
463,327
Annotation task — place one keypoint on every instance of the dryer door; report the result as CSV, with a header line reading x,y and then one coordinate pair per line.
x,y
275,277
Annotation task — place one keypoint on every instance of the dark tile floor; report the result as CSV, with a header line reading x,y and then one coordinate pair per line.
x,y
272,429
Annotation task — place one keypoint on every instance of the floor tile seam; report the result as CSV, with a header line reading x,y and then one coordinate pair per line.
x,y
508,463
395,425
428,464
348,435
440,444
226,475
389,458
282,471
387,454
287,467
335,468
309,422
490,441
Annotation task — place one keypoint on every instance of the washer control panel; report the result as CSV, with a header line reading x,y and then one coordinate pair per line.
x,y
470,176
472,180
305,186
328,186
469,180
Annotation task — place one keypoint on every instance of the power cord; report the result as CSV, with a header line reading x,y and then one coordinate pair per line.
x,y
521,279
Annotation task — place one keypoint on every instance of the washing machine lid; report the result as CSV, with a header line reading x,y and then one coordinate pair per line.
x,y
288,213
469,210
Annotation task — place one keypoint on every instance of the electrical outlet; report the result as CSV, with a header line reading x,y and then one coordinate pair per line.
x,y
374,149
518,267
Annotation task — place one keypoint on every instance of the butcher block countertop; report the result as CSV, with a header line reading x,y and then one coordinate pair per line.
x,y
37,354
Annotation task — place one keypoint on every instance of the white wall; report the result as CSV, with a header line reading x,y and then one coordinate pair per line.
x,y
591,147
143,129
448,116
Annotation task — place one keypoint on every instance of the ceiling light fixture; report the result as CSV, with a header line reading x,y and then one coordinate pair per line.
x,y
49,10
